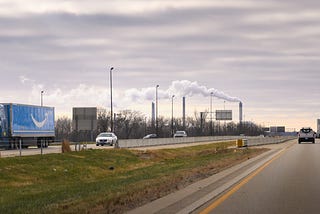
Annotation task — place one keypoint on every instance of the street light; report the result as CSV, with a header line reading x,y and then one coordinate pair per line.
x,y
211,126
172,114
111,98
157,86
41,98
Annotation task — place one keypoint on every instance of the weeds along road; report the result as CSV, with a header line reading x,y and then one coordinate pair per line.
x,y
57,149
287,184
50,149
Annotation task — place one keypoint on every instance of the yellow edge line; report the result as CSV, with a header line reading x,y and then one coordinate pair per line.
x,y
224,197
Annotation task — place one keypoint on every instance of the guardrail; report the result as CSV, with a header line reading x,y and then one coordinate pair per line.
x,y
252,141
55,148
268,140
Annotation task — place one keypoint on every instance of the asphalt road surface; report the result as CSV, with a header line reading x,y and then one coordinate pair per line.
x,y
289,183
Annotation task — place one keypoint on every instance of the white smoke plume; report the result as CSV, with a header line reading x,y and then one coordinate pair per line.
x,y
181,88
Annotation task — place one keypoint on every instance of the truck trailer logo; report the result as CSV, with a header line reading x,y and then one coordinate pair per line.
x,y
40,124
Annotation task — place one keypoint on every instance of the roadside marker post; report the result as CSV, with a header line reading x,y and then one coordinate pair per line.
x,y
20,147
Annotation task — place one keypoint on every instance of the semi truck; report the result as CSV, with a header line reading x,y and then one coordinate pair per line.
x,y
26,125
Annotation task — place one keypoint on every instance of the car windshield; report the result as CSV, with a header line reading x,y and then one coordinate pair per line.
x,y
105,135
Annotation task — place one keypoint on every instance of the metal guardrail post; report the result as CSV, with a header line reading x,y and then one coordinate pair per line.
x,y
20,147
41,147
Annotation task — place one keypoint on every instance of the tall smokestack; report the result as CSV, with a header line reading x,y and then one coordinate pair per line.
x,y
184,112
240,112
153,113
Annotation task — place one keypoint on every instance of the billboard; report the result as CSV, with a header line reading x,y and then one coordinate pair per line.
x,y
223,114
84,119
277,129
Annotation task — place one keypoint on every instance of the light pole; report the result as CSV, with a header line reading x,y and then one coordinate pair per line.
x,y
157,86
211,126
41,98
172,114
111,99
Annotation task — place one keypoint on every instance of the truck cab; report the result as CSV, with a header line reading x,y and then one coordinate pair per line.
x,y
3,126
306,134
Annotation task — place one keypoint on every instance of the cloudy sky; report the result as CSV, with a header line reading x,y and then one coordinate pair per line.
x,y
264,53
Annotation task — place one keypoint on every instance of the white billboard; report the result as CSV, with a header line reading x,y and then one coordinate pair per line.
x,y
223,114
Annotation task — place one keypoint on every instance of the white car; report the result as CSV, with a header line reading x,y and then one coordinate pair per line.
x,y
106,138
150,136
180,134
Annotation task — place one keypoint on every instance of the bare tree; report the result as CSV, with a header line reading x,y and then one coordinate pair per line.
x,y
63,128
103,120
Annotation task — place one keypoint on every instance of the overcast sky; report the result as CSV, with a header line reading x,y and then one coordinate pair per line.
x,y
264,53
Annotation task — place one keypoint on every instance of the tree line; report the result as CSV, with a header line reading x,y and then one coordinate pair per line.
x,y
130,124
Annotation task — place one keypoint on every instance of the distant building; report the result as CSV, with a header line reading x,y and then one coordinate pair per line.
x,y
276,131
266,129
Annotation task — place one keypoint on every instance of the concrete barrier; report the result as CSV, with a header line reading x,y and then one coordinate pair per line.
x,y
252,141
268,140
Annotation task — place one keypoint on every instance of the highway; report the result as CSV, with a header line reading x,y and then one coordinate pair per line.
x,y
289,183
285,179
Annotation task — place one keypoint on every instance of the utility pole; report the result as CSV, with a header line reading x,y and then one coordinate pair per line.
x,y
111,99
211,125
157,131
41,98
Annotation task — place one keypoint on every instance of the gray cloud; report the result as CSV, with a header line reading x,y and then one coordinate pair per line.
x,y
264,53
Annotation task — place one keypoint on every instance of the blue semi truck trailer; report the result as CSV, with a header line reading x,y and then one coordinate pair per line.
x,y
28,124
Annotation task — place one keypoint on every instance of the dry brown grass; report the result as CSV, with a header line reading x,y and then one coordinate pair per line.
x,y
65,146
148,190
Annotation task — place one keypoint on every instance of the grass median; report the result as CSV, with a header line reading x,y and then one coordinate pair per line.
x,y
107,181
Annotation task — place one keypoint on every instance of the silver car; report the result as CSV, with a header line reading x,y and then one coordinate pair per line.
x,y
106,138
180,134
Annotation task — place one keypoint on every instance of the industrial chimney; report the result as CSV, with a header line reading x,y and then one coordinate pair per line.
x,y
184,112
240,112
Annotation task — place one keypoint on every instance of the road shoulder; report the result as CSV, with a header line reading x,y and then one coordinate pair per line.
x,y
193,196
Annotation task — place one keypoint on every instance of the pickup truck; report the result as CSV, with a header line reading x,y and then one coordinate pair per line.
x,y
306,134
